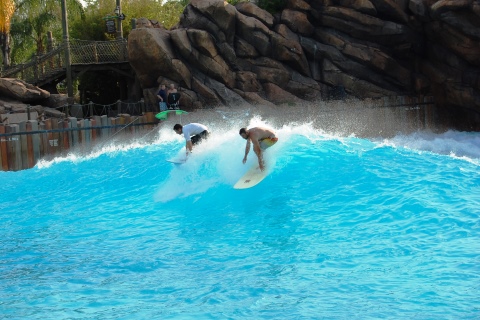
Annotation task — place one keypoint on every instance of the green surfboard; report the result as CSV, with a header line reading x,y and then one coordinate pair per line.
x,y
164,114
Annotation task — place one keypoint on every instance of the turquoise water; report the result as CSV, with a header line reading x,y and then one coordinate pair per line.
x,y
342,227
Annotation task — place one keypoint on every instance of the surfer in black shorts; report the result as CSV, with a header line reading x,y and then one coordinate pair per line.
x,y
262,138
193,134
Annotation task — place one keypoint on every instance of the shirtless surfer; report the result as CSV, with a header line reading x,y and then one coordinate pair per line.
x,y
262,138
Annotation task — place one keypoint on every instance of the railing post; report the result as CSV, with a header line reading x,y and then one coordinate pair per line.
x,y
28,112
142,105
119,107
90,108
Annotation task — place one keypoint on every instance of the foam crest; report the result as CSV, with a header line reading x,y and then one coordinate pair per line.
x,y
78,155
227,147
460,145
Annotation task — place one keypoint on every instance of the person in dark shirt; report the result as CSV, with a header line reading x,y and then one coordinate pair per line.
x,y
162,97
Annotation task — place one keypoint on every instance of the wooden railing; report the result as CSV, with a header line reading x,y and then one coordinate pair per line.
x,y
46,68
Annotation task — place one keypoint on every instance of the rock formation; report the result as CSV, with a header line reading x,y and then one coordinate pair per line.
x,y
221,54
15,94
22,91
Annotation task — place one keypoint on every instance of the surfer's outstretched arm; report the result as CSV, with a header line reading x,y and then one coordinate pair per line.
x,y
247,150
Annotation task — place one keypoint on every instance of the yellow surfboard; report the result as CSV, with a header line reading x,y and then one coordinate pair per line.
x,y
250,179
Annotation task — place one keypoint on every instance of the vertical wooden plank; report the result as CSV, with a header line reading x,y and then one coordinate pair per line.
x,y
133,122
55,143
43,141
128,127
73,134
93,131
104,121
113,121
34,140
109,123
98,123
81,133
66,135
52,140
3,148
22,127
139,120
86,124
14,148
120,121
2,130
30,161
48,148
144,121
150,118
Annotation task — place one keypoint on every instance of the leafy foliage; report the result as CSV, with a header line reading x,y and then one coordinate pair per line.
x,y
93,27
31,22
171,12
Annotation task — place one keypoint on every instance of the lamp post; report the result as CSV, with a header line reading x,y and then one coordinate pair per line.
x,y
120,17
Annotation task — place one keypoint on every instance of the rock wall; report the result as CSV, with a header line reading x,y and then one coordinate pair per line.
x,y
17,98
221,54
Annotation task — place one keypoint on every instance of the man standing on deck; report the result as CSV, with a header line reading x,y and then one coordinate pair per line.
x,y
193,134
262,138
162,97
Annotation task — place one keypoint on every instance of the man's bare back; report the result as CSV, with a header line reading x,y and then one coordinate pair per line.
x,y
262,138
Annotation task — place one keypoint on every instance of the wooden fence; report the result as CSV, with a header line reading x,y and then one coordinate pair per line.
x,y
23,145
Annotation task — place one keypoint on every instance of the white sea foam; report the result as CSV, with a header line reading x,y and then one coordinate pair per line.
x,y
461,145
224,123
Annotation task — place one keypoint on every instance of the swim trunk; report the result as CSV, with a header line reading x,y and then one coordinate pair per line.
x,y
267,142
199,137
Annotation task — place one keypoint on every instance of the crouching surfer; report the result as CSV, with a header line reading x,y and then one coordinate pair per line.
x,y
262,138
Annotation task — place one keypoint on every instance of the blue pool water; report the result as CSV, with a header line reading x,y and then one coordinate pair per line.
x,y
342,227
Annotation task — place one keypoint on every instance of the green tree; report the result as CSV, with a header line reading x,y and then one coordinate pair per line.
x,y
93,27
31,22
104,87
171,12
7,9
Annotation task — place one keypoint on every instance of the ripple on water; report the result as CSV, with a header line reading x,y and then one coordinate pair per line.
x,y
341,227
